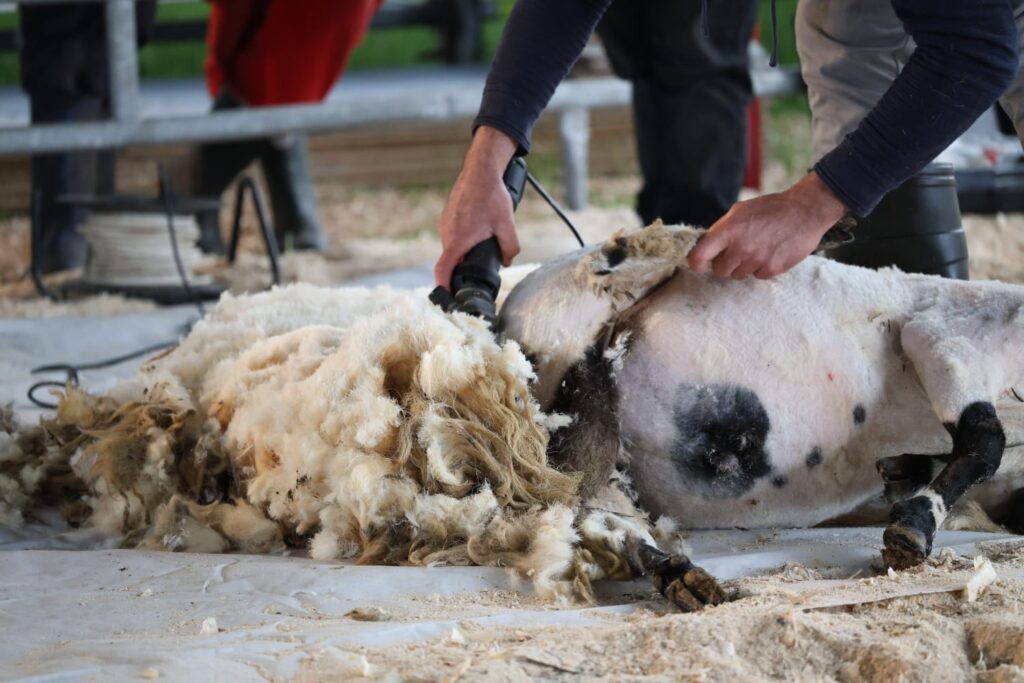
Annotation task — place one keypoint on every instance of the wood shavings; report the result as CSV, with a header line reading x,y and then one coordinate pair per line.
x,y
368,614
209,627
984,576
911,627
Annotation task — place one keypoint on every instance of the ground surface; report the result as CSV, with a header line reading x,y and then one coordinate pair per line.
x,y
822,618
793,624
129,614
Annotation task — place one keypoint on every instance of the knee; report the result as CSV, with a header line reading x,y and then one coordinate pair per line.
x,y
980,434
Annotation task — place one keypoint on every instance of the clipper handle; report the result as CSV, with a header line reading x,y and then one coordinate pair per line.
x,y
475,281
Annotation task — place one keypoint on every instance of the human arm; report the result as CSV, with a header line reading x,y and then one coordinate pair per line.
x,y
966,56
540,43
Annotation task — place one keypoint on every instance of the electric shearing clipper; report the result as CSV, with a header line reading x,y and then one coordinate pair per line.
x,y
475,281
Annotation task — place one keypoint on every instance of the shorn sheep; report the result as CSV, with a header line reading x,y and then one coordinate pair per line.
x,y
777,403
626,398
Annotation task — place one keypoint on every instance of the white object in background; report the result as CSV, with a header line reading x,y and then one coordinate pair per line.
x,y
135,249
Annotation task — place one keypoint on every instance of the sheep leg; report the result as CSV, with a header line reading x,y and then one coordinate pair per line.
x,y
904,476
978,443
957,381
686,586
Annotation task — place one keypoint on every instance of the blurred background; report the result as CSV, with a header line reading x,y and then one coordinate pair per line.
x,y
380,187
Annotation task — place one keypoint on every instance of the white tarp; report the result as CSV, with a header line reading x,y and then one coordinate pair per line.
x,y
72,615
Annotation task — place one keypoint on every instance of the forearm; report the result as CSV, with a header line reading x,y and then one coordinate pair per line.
x,y
541,41
490,152
966,56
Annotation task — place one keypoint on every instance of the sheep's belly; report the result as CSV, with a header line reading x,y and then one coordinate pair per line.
x,y
738,414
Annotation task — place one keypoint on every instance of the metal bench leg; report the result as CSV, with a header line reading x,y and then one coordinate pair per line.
x,y
574,133
248,186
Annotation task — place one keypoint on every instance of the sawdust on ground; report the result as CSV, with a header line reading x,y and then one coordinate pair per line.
x,y
796,623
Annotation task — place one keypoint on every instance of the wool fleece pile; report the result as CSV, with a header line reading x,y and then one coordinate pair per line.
x,y
359,424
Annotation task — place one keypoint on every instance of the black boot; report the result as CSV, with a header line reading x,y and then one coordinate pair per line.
x,y
916,228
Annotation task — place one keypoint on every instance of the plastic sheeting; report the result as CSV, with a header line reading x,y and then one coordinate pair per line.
x,y
109,614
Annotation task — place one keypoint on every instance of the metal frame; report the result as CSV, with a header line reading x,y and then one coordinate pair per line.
x,y
571,103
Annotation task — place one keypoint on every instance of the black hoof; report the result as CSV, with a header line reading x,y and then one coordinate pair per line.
x,y
687,587
908,540
905,547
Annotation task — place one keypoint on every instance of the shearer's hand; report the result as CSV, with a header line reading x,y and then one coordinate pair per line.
x,y
768,235
479,206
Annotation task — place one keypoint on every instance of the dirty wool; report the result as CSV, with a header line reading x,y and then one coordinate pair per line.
x,y
357,424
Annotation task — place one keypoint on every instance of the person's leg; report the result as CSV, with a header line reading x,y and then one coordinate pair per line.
x,y
286,168
54,175
623,32
850,53
1012,101
691,93
54,43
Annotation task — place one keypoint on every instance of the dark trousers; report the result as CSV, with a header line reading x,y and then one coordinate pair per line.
x,y
690,97
286,169
64,73
53,175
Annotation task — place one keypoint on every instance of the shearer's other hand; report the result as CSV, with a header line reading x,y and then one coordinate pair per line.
x,y
768,235
479,206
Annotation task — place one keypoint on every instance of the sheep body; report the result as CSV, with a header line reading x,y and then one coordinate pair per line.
x,y
768,403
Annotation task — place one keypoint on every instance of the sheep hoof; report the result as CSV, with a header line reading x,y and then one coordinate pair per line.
x,y
690,590
905,547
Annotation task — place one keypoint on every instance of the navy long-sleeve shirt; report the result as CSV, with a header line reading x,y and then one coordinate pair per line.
x,y
966,57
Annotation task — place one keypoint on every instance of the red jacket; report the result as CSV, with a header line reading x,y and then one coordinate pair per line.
x,y
282,51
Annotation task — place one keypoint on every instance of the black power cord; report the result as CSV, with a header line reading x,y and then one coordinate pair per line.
x,y
167,195
72,371
535,184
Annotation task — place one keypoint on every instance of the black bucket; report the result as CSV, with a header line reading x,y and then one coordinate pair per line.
x,y
915,228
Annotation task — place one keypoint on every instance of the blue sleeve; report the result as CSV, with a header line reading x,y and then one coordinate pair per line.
x,y
966,57
541,41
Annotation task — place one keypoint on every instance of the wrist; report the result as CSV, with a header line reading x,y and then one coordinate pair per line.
x,y
490,151
813,193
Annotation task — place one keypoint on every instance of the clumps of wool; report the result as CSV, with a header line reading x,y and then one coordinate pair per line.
x,y
357,423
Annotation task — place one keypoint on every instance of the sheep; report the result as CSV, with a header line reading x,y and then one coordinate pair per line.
x,y
775,403
623,389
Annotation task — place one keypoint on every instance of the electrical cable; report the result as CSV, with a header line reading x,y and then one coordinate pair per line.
x,y
535,184
167,194
72,371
